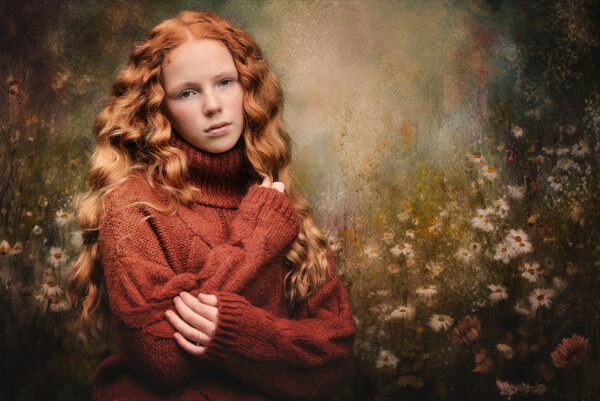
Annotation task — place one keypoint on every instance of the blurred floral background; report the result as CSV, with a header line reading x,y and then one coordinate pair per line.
x,y
449,149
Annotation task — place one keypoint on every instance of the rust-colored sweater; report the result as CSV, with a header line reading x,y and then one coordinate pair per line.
x,y
230,243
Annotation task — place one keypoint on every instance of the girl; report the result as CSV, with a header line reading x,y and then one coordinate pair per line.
x,y
212,279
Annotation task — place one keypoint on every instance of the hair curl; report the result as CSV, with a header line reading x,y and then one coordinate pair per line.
x,y
132,137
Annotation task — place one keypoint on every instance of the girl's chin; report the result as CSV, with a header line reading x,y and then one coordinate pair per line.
x,y
218,146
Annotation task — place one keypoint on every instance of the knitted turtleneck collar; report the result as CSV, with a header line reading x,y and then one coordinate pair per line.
x,y
222,178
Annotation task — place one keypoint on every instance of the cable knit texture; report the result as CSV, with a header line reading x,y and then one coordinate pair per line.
x,y
231,243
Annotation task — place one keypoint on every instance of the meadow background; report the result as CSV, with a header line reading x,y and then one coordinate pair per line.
x,y
449,149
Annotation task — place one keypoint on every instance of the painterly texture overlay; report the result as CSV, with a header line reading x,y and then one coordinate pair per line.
x,y
449,149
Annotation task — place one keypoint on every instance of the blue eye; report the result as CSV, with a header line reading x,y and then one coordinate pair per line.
x,y
184,92
226,82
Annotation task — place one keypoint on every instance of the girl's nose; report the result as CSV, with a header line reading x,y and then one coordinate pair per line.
x,y
210,102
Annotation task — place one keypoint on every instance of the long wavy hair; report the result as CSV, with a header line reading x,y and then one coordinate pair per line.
x,y
132,137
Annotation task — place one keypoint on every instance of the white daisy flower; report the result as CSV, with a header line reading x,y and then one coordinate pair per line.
x,y
504,252
433,229
517,131
548,150
4,247
519,242
427,291
541,297
475,157
566,164
410,233
577,215
58,305
62,218
57,257
506,350
334,242
559,284
388,237
562,151
51,290
489,172
434,268
555,182
48,276
403,216
403,249
440,322
507,389
498,293
371,252
571,129
36,230
482,222
465,255
43,201
386,360
523,310
403,312
529,271
393,268
580,149
516,192
501,208
539,159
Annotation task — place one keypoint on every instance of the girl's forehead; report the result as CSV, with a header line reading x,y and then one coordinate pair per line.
x,y
197,49
198,59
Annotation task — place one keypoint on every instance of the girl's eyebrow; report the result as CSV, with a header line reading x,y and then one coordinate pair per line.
x,y
221,74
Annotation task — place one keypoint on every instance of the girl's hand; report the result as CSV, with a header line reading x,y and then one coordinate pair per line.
x,y
278,185
196,322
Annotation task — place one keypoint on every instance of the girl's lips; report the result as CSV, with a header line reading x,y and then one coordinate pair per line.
x,y
218,131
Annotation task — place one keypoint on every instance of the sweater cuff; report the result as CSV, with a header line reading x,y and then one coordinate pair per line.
x,y
241,330
268,209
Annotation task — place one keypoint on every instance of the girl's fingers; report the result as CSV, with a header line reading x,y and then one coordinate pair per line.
x,y
188,346
278,185
200,306
208,299
196,317
195,324
187,332
266,183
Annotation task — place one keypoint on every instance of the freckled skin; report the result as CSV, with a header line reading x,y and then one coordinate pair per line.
x,y
202,89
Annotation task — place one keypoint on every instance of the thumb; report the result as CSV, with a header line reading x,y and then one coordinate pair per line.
x,y
266,183
280,186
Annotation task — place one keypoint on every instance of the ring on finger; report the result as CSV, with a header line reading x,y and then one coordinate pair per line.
x,y
199,342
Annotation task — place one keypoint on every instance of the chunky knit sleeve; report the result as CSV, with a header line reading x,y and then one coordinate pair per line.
x,y
302,358
141,282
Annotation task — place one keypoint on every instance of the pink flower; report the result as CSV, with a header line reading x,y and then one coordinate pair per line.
x,y
511,156
483,363
467,331
570,352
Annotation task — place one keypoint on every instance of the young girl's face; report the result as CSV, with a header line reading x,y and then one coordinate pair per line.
x,y
203,96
